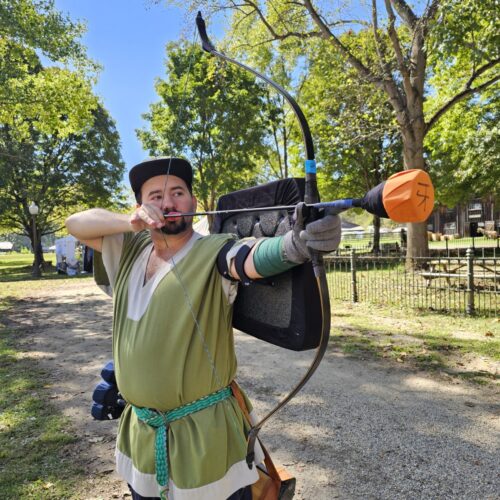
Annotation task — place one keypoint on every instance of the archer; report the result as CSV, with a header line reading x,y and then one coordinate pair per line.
x,y
183,433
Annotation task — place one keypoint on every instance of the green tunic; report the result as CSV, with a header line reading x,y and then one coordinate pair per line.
x,y
172,344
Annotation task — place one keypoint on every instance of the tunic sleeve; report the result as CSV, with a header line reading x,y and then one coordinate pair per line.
x,y
111,252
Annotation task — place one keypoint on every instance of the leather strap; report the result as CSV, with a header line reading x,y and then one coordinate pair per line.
x,y
277,476
239,264
222,266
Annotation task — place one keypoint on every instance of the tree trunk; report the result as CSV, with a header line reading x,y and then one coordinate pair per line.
x,y
37,254
417,245
211,220
417,242
376,234
44,265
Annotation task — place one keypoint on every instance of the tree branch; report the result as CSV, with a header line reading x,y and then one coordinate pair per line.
x,y
393,36
288,34
457,98
378,44
328,35
405,12
270,28
430,13
478,72
387,84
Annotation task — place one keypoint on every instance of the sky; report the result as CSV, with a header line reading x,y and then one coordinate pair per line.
x,y
127,38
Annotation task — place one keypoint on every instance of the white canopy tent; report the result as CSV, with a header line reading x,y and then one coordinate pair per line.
x,y
6,246
66,260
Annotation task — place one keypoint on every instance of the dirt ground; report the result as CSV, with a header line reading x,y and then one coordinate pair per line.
x,y
360,429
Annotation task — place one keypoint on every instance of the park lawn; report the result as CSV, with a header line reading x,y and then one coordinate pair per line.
x,y
15,275
14,259
457,346
365,243
17,267
386,282
35,439
34,436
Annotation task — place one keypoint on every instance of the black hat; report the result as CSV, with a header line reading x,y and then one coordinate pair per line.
x,y
152,167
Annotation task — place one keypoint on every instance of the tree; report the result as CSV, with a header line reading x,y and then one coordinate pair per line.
x,y
58,146
59,174
284,137
458,32
209,114
283,133
358,143
52,99
464,151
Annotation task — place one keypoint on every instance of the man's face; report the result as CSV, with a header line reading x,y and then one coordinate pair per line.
x,y
171,195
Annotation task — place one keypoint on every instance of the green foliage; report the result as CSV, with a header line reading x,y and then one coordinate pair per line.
x,y
357,139
464,151
58,146
34,437
284,154
463,39
446,50
208,112
52,99
463,145
60,174
37,25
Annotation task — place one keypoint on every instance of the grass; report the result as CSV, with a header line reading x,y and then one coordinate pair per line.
x,y
458,346
365,242
387,283
479,242
16,279
35,438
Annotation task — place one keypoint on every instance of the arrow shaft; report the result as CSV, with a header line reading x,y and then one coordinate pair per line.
x,y
338,205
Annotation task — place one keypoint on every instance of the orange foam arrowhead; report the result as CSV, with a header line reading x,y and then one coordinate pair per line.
x,y
408,196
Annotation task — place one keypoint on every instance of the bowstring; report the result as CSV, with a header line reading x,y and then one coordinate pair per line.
x,y
233,417
175,269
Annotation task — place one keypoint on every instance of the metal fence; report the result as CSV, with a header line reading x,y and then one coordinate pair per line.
x,y
465,283
393,242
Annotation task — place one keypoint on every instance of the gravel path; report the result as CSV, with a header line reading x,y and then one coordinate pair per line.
x,y
360,430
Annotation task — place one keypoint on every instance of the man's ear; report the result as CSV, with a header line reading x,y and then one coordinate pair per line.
x,y
195,203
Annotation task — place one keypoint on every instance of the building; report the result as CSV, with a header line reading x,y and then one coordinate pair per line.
x,y
462,219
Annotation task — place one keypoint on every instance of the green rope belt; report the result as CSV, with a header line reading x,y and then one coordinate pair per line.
x,y
160,421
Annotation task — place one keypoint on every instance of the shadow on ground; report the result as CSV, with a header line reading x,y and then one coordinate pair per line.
x,y
362,428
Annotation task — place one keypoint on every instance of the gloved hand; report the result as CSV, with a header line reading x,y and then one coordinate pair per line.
x,y
322,235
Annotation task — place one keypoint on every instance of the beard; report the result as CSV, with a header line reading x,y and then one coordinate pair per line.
x,y
175,227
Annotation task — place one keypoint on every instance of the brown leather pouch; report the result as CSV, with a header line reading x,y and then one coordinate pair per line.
x,y
273,483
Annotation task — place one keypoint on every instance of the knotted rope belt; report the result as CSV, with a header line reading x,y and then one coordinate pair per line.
x,y
160,422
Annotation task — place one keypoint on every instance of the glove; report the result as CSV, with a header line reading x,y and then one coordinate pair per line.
x,y
322,235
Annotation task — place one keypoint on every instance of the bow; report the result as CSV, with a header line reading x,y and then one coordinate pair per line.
x,y
311,197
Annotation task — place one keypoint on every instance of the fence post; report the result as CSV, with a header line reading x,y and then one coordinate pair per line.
x,y
470,281
353,276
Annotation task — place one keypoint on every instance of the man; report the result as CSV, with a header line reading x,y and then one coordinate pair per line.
x,y
183,433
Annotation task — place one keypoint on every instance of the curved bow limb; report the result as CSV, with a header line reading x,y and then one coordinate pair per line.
x,y
311,197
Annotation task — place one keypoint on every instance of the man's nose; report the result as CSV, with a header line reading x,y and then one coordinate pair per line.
x,y
167,203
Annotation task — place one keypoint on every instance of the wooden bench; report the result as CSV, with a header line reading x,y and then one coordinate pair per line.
x,y
390,247
453,269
